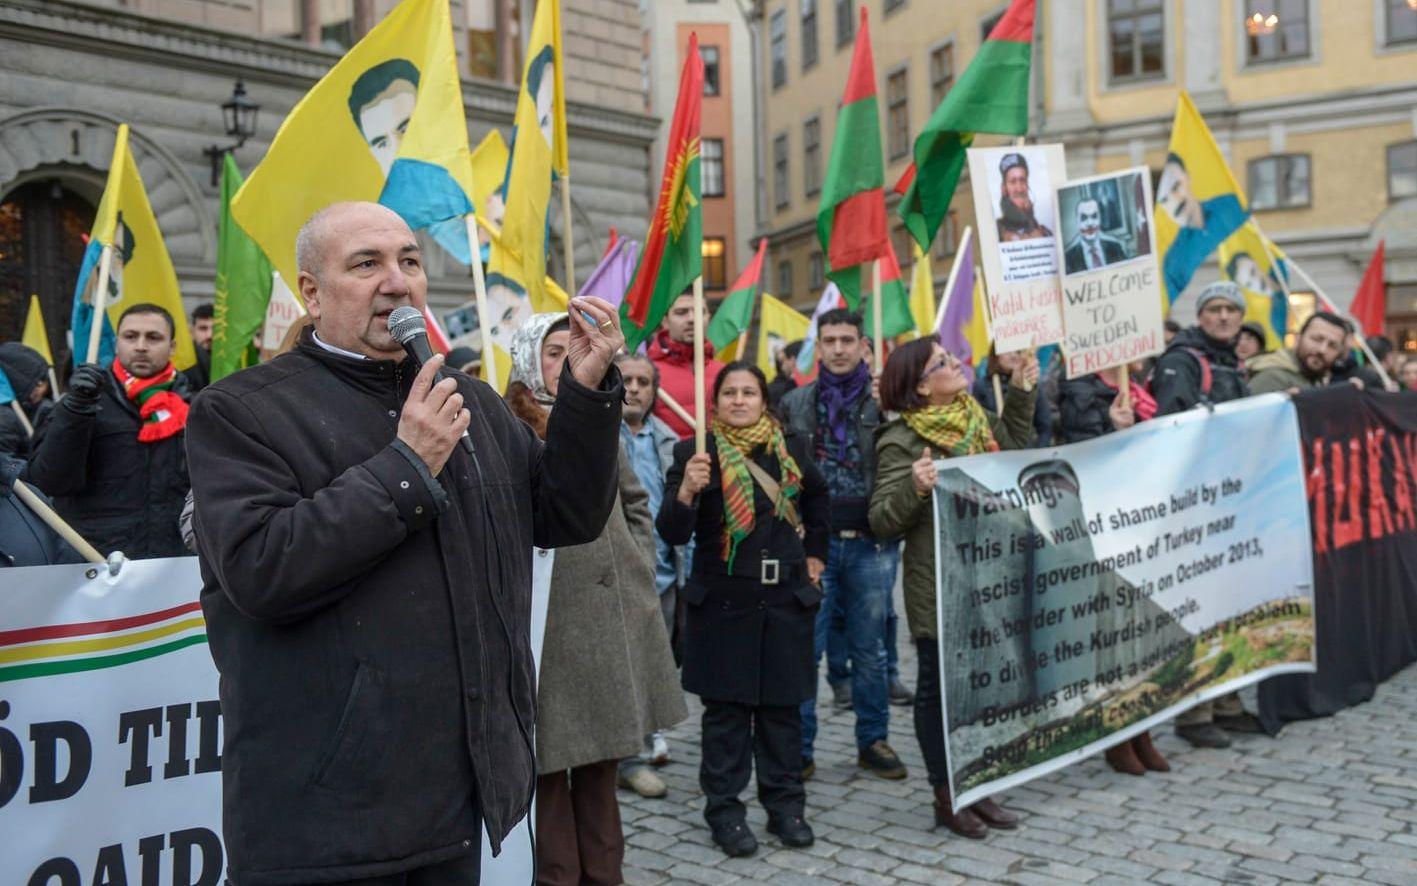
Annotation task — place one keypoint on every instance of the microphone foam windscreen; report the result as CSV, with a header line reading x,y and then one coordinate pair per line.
x,y
406,322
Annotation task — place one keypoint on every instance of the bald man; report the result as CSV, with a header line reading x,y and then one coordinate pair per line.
x,y
367,581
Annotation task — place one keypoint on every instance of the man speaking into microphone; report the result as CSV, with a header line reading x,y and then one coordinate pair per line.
x,y
368,579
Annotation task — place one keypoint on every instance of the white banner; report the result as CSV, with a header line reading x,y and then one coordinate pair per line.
x,y
110,729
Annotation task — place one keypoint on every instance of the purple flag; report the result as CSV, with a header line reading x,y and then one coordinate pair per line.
x,y
959,308
612,276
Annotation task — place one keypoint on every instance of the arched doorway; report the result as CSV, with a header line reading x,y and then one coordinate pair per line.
x,y
44,228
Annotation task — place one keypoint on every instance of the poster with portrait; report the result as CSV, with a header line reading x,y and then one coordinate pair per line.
x,y
1112,286
1014,202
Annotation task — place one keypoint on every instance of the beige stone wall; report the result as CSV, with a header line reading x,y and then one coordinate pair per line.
x,y
603,47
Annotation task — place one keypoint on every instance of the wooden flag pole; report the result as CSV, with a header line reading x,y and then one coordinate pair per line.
x,y
567,243
484,316
677,409
878,342
700,430
1124,386
53,521
964,243
998,393
99,302
24,419
53,385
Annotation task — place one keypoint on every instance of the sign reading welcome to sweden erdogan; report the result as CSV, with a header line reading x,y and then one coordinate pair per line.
x,y
1089,592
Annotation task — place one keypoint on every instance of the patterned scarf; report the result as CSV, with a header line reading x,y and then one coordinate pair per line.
x,y
958,428
735,445
163,412
839,393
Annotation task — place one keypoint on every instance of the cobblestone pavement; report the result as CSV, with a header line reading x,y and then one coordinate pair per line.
x,y
1329,801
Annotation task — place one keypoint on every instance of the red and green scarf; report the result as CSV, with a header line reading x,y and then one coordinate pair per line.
x,y
163,412
957,428
735,446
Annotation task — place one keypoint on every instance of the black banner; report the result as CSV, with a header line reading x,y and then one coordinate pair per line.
x,y
1360,464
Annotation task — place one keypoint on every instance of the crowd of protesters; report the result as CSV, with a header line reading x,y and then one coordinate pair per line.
x,y
729,574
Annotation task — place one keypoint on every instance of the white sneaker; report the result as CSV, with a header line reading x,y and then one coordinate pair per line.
x,y
643,781
659,750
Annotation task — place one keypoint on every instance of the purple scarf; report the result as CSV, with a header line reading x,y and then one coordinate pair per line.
x,y
840,393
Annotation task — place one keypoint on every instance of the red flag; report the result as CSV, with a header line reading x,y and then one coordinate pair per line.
x,y
1369,306
611,241
436,336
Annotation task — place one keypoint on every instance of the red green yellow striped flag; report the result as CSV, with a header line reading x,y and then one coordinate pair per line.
x,y
90,646
673,251
991,96
851,220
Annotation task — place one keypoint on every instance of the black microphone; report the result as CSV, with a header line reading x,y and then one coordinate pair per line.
x,y
407,326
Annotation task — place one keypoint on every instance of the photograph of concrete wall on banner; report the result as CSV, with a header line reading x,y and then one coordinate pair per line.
x,y
1075,612
1014,203
1112,287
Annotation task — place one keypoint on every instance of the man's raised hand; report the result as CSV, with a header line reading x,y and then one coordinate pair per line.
x,y
595,339
433,418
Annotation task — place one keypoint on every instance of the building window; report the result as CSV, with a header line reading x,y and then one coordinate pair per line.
x,y
1402,170
897,114
809,33
1279,182
1401,22
986,27
1287,38
845,21
893,5
777,38
942,73
784,280
947,241
710,56
780,187
715,253
711,167
816,273
812,156
1136,33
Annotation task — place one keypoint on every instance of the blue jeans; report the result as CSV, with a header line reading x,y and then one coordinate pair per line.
x,y
838,657
858,580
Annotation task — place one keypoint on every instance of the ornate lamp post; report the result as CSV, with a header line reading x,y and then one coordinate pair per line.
x,y
238,115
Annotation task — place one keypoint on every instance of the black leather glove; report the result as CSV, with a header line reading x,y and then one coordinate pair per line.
x,y
84,385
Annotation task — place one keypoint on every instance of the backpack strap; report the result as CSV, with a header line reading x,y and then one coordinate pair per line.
x,y
774,491
1207,377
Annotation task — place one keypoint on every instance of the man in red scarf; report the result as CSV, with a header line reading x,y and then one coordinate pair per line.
x,y
672,350
111,453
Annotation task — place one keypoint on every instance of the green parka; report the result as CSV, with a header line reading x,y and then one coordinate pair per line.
x,y
898,512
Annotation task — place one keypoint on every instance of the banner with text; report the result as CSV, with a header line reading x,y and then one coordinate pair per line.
x,y
1014,201
111,731
1111,280
1076,611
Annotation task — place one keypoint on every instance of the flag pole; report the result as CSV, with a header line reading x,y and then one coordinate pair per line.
x,y
24,419
964,243
53,385
100,301
1124,385
53,521
700,430
567,244
479,287
878,343
675,408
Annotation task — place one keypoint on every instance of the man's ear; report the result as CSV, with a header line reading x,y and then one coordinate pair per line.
x,y
309,293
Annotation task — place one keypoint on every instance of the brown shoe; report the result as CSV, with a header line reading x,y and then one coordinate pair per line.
x,y
1147,753
965,822
1122,758
994,815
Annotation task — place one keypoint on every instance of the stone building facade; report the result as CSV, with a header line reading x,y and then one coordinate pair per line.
x,y
71,71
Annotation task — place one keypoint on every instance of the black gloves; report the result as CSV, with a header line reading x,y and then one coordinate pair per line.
x,y
84,385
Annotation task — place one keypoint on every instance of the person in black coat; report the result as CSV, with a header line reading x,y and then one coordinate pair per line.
x,y
752,598
112,452
28,375
367,581
1200,365
25,539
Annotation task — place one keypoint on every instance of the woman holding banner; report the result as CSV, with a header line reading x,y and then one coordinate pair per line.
x,y
929,388
756,507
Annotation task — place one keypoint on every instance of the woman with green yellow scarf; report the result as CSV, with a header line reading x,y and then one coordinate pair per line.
x,y
755,506
929,389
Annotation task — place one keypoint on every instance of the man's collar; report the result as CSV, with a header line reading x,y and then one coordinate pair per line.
x,y
315,336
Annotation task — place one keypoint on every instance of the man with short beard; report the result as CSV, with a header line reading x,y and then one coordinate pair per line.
x,y
1016,219
1309,364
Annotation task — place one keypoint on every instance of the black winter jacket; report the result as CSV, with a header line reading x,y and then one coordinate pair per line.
x,y
1177,380
118,493
24,368
372,623
745,641
798,410
25,539
1084,406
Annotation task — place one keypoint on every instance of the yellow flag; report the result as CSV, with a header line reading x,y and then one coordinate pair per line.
x,y
385,124
35,336
538,149
922,293
976,331
1198,201
1256,264
778,324
140,270
508,308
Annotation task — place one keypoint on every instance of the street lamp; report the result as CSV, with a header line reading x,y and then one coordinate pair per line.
x,y
238,115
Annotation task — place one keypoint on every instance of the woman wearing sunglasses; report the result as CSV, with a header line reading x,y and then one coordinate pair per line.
x,y
756,507
929,388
